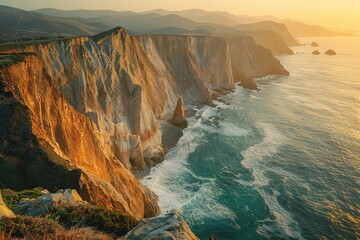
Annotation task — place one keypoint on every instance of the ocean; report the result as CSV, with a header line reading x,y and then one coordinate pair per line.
x,y
279,163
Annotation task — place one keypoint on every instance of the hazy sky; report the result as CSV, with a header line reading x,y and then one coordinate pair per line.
x,y
343,14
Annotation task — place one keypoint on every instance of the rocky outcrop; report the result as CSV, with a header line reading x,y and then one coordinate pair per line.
x,y
314,44
82,113
4,210
41,205
170,226
316,52
330,52
179,119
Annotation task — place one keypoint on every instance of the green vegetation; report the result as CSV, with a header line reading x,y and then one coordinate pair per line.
x,y
5,60
111,222
44,228
8,59
62,219
12,198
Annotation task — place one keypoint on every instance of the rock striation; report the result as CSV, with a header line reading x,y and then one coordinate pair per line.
x,y
82,113
170,226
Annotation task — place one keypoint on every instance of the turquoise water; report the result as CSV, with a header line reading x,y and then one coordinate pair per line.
x,y
279,163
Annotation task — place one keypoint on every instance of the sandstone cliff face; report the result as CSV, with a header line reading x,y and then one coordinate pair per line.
x,y
81,113
55,146
195,67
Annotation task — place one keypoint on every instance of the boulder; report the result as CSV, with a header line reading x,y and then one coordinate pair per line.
x,y
41,205
314,44
179,115
316,52
4,210
170,226
330,52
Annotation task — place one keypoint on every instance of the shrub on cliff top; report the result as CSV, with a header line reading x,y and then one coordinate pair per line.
x,y
43,228
111,222
12,198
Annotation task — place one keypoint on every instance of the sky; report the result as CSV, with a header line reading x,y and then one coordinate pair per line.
x,y
341,14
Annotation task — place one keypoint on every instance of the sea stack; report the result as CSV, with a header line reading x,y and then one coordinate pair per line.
x,y
314,44
316,52
330,52
179,114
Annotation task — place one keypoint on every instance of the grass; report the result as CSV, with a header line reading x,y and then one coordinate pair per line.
x,y
5,60
43,228
11,198
111,222
8,59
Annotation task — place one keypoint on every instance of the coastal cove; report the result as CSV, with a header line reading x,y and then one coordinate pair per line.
x,y
182,124
279,163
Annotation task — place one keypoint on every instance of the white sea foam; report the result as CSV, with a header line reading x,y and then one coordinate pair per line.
x,y
254,158
254,155
175,165
178,187
211,123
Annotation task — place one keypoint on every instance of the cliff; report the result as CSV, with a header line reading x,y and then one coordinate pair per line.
x,y
270,40
82,113
250,61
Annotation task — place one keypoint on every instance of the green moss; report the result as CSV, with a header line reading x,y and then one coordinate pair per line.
x,y
5,61
12,198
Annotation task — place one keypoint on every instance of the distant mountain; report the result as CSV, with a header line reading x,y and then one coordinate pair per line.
x,y
296,28
160,21
202,16
52,23
75,13
19,25
299,29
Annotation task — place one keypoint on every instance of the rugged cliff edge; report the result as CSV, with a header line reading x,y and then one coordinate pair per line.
x,y
82,113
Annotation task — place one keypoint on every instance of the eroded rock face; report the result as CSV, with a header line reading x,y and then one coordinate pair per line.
x,y
82,113
4,210
170,226
179,119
